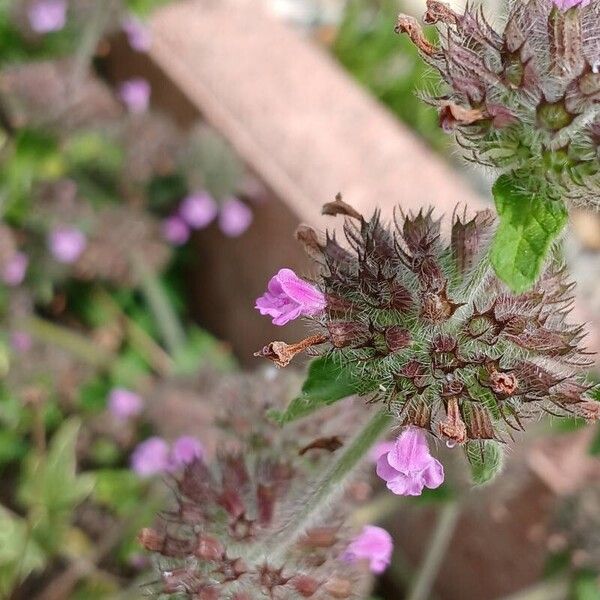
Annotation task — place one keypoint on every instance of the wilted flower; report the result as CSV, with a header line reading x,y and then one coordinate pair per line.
x,y
185,450
428,329
46,16
151,457
198,210
66,244
409,467
124,404
13,271
175,230
138,35
135,94
524,99
374,544
289,297
234,217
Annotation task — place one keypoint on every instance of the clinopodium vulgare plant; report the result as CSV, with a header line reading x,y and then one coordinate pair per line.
x,y
429,331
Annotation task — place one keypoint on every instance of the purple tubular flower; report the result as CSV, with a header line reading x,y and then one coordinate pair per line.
x,y
175,230
46,16
409,467
198,210
235,217
138,35
13,272
567,4
186,450
150,457
66,244
124,404
379,449
289,297
373,544
135,94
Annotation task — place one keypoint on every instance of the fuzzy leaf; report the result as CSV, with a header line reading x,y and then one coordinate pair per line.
x,y
529,223
326,383
485,458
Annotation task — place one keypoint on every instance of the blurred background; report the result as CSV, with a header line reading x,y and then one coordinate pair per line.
x,y
156,157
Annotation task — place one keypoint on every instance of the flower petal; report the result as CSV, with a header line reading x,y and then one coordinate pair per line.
x,y
411,452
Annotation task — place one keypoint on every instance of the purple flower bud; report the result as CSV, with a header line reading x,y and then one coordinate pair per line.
x,y
124,404
186,450
66,244
13,272
289,297
135,94
138,35
373,544
150,457
20,341
198,210
175,230
46,16
235,217
409,467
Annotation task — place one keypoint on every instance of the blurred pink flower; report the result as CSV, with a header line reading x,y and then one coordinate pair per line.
x,y
566,4
66,244
409,467
20,341
289,297
186,450
234,218
46,16
373,544
198,210
124,404
175,230
13,272
150,457
135,94
138,34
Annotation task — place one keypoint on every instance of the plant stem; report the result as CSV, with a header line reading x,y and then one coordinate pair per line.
x,y
315,504
440,540
553,589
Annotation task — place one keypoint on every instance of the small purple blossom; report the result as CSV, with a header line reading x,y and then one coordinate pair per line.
x,y
135,94
46,16
409,467
66,244
20,341
198,210
151,457
289,297
124,404
175,230
186,450
138,35
234,218
379,449
13,271
567,4
373,544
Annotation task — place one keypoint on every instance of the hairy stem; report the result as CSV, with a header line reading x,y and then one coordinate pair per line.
x,y
442,535
316,502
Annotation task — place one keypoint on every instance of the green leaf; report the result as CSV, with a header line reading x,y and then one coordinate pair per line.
x,y
326,383
586,586
485,458
119,489
595,445
529,223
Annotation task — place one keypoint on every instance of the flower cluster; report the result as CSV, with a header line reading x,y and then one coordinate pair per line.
x,y
427,328
525,99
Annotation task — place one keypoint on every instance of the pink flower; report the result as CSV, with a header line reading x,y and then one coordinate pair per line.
x,y
13,272
289,297
235,217
373,544
567,4
135,94
409,467
66,244
175,230
198,210
46,16
186,450
124,404
20,341
138,35
379,449
151,457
